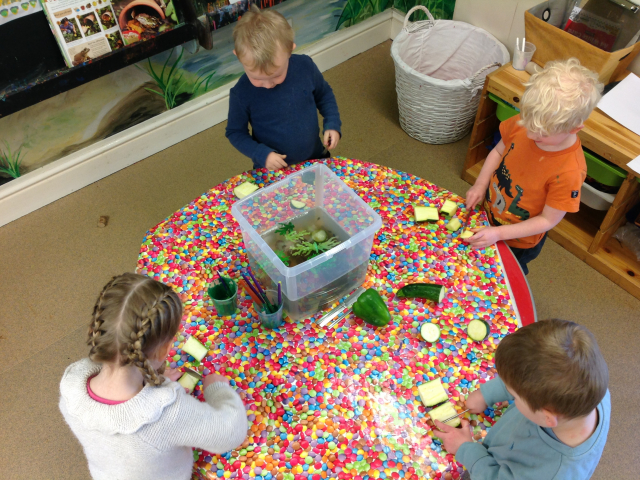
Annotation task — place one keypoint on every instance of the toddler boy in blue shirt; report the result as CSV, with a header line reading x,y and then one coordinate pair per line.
x,y
557,425
280,95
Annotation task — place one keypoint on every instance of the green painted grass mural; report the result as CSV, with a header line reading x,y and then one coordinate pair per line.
x,y
106,106
174,88
355,11
10,161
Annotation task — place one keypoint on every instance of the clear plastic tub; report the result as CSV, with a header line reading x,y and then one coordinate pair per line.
x,y
319,281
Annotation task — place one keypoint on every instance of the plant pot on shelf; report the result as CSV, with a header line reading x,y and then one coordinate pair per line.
x,y
144,6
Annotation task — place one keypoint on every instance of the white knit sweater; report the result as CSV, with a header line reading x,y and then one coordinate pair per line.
x,y
150,436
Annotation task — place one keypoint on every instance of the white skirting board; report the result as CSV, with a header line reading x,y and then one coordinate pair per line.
x,y
69,174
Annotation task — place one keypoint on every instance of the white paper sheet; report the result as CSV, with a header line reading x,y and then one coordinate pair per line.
x,y
635,164
622,103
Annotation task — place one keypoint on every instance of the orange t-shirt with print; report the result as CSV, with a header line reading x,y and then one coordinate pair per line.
x,y
528,178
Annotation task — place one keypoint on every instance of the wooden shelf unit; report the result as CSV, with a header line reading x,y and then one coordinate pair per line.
x,y
587,233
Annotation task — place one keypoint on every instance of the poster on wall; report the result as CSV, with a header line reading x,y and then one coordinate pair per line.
x,y
84,29
144,19
12,9
88,29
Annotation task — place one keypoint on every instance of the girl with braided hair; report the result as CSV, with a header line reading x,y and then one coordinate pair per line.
x,y
133,422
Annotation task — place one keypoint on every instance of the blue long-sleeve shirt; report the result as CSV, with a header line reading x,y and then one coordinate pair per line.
x,y
517,448
283,119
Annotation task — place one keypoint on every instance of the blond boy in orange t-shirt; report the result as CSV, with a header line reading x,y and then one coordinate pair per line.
x,y
533,177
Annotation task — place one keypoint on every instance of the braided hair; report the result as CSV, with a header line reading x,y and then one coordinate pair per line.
x,y
133,317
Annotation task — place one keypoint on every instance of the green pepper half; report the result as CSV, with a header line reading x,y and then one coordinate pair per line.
x,y
371,308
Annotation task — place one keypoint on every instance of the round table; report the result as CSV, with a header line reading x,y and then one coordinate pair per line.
x,y
340,403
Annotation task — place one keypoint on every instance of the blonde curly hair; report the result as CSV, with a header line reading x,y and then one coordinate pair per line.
x,y
560,98
258,35
133,317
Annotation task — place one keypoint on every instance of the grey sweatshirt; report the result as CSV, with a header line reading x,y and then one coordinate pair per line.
x,y
151,435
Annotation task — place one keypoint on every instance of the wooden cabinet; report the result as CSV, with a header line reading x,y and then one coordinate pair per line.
x,y
587,233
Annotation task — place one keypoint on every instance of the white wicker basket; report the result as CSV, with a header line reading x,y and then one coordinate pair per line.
x,y
441,66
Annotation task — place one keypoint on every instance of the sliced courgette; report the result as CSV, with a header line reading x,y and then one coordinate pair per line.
x,y
432,393
423,214
194,348
449,207
245,189
430,332
189,380
477,330
454,224
422,290
466,234
443,412
297,205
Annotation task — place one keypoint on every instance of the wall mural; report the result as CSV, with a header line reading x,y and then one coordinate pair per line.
x,y
71,121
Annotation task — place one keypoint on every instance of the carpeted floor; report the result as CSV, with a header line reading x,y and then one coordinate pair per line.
x,y
55,262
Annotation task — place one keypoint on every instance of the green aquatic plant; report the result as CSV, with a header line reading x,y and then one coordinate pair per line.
x,y
283,257
172,87
312,249
10,162
284,228
296,236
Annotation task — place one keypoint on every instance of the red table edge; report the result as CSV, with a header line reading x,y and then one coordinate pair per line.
x,y
518,286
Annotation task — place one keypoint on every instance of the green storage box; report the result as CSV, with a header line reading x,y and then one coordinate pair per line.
x,y
602,171
505,110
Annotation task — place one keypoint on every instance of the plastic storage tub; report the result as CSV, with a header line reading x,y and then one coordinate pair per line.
x,y
319,281
595,198
602,171
504,110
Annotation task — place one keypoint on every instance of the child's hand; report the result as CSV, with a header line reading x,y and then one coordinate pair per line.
x,y
475,402
172,374
275,161
453,437
213,378
484,236
475,195
331,139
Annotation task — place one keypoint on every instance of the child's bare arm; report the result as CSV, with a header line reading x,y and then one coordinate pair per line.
x,y
544,222
452,437
476,402
476,193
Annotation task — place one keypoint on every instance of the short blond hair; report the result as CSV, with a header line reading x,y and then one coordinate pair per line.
x,y
258,35
555,365
560,98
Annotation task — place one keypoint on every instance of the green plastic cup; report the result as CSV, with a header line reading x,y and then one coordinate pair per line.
x,y
271,320
225,305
